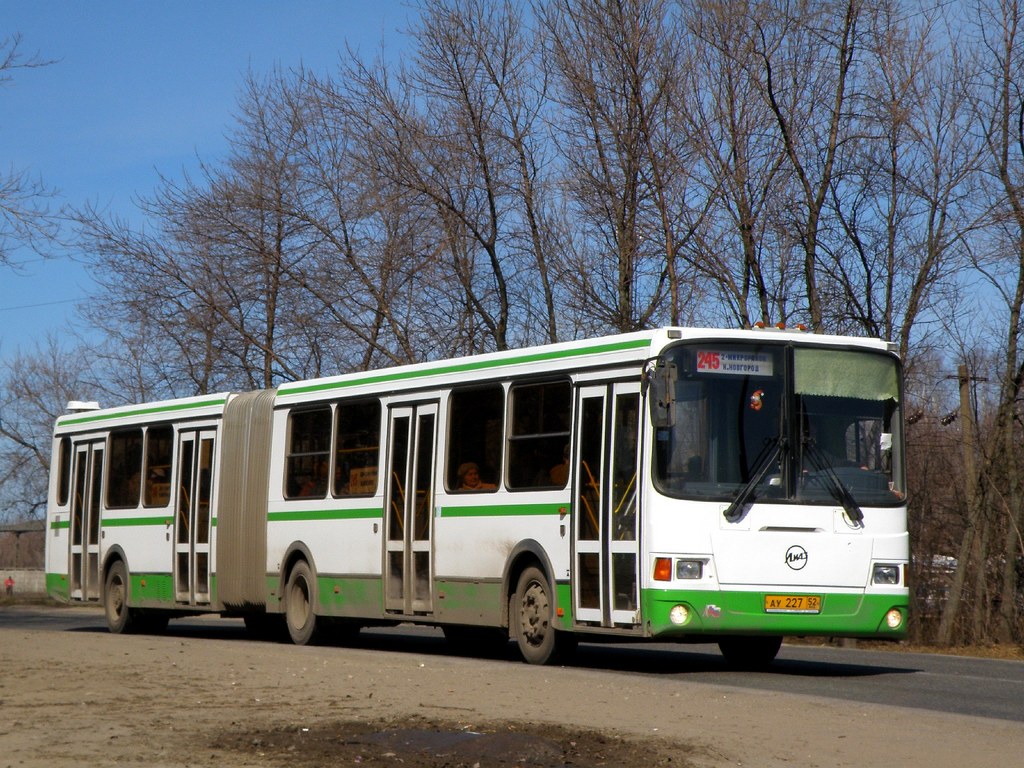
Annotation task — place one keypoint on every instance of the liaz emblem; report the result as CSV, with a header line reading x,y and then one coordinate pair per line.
x,y
796,557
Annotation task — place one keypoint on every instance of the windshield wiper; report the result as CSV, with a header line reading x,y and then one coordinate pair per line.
x,y
771,452
820,462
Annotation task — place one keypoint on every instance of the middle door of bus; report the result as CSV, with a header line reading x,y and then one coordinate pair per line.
x,y
605,534
408,580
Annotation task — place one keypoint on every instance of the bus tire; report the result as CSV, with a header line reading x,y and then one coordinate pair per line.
x,y
299,596
750,653
120,618
532,612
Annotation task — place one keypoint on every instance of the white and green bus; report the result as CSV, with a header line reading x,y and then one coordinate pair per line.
x,y
679,484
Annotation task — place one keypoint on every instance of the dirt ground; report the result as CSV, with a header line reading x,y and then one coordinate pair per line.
x,y
79,698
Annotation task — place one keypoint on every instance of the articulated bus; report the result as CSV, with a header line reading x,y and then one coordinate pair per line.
x,y
679,484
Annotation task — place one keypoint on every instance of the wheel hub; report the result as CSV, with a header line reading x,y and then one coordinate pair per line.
x,y
534,613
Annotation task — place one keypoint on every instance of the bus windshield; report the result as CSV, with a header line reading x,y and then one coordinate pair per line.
x,y
770,422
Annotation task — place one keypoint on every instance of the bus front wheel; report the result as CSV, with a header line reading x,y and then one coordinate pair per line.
x,y
532,611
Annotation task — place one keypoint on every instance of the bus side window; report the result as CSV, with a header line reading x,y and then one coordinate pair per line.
x,y
309,453
124,468
357,448
475,427
64,471
159,446
538,435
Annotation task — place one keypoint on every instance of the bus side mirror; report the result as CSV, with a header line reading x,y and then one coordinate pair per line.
x,y
660,382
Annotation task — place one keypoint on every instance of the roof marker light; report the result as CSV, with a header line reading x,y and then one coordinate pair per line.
x,y
79,406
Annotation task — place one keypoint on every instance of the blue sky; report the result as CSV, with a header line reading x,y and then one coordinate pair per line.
x,y
139,89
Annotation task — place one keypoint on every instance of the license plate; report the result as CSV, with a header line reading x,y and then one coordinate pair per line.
x,y
792,603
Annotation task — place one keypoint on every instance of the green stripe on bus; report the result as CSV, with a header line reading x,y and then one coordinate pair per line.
x,y
147,411
471,365
58,525
118,522
505,510
325,514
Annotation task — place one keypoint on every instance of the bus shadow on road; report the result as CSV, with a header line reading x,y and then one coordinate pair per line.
x,y
638,658
705,659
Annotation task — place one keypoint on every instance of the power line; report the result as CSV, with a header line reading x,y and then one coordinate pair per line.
x,y
35,306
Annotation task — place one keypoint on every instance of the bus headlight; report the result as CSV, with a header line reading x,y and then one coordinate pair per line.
x,y
689,569
885,573
893,619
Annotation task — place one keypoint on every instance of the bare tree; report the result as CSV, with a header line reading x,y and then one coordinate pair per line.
x,y
225,265
906,204
36,388
809,57
455,136
996,26
618,68
25,215
371,275
150,306
743,167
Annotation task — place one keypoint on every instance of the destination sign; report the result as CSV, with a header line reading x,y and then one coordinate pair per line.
x,y
735,363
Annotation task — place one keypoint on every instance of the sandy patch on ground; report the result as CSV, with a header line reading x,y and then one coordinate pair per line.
x,y
89,698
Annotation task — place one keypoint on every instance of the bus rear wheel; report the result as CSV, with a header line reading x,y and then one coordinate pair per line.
x,y
531,616
120,618
299,597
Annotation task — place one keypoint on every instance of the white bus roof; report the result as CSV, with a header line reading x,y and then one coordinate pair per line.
x,y
621,349
191,407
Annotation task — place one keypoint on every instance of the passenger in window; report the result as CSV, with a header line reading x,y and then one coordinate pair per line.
x,y
134,485
316,484
341,481
469,479
560,472
158,487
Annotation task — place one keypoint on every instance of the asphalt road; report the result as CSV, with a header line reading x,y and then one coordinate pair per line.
x,y
952,684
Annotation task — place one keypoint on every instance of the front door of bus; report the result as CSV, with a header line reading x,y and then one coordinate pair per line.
x,y
193,516
605,579
84,564
410,503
